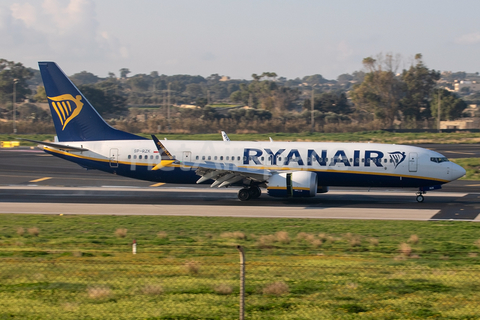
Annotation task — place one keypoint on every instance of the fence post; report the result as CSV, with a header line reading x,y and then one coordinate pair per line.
x,y
242,282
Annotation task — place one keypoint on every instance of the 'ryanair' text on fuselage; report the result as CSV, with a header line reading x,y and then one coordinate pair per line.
x,y
366,158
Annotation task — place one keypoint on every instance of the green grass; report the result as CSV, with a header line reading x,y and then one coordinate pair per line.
x,y
471,165
370,136
53,275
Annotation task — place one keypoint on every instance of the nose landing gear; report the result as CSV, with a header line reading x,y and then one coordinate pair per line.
x,y
420,196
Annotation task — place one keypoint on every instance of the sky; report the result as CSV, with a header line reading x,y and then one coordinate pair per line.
x,y
238,38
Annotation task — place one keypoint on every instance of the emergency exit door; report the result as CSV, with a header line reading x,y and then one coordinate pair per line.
x,y
412,162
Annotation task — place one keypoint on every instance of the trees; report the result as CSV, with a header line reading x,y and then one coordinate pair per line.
x,y
390,97
419,83
381,90
84,77
330,101
451,106
266,94
104,103
9,71
124,72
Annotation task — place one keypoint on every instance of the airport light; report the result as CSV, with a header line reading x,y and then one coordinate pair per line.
x,y
15,81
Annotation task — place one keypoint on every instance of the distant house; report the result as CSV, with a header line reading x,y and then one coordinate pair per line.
x,y
465,123
472,85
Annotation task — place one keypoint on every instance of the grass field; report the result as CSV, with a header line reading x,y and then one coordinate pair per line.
x,y
70,267
370,136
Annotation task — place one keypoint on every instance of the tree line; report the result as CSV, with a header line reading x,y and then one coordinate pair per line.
x,y
378,97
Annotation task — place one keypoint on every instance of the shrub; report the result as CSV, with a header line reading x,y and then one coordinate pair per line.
x,y
413,239
266,241
99,293
276,289
322,236
234,235
282,237
121,233
152,289
34,231
477,243
355,242
223,288
162,235
192,267
405,249
20,231
316,243
373,241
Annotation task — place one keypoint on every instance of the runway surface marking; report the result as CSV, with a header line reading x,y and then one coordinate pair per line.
x,y
218,211
157,184
41,179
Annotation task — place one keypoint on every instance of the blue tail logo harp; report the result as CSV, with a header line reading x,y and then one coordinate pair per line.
x,y
66,107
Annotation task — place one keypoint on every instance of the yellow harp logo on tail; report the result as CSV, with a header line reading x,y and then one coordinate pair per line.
x,y
67,107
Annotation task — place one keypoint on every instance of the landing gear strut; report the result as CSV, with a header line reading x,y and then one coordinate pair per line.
x,y
252,192
420,196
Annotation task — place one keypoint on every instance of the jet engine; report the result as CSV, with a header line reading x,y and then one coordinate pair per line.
x,y
293,184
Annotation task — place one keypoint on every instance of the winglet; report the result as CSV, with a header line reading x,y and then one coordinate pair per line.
x,y
224,136
166,157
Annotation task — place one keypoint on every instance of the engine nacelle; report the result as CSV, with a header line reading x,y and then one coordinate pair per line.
x,y
293,184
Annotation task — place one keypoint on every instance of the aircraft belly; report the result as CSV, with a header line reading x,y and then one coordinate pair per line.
x,y
346,179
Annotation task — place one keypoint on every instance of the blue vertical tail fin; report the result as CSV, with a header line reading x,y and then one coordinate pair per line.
x,y
74,117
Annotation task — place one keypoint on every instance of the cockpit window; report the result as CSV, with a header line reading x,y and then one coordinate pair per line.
x,y
438,159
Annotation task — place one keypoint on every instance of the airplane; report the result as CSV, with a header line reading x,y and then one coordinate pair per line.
x,y
285,169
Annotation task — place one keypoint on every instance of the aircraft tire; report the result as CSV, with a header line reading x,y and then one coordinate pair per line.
x,y
244,194
420,198
255,192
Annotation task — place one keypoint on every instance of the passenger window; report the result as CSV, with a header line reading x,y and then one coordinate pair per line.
x,y
385,161
221,157
156,157
203,157
215,158
151,157
226,158
135,157
238,158
196,158
209,158
140,157
263,158
129,156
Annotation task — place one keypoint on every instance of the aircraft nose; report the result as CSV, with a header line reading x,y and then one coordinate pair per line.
x,y
456,171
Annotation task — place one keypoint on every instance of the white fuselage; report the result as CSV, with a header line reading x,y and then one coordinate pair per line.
x,y
336,164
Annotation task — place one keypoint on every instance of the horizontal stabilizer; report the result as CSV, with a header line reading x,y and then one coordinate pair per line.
x,y
56,145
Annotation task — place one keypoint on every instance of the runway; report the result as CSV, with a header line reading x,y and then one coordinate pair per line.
x,y
33,182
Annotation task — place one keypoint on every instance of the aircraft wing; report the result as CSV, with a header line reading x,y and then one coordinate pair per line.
x,y
225,174
56,145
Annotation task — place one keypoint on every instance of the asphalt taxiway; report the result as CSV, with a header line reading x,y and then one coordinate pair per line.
x,y
34,182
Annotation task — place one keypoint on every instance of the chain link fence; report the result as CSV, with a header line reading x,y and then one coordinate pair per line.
x,y
208,287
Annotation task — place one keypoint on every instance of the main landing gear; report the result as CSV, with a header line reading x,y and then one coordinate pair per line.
x,y
420,196
252,192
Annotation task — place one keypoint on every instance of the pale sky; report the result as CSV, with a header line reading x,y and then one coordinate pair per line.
x,y
238,38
